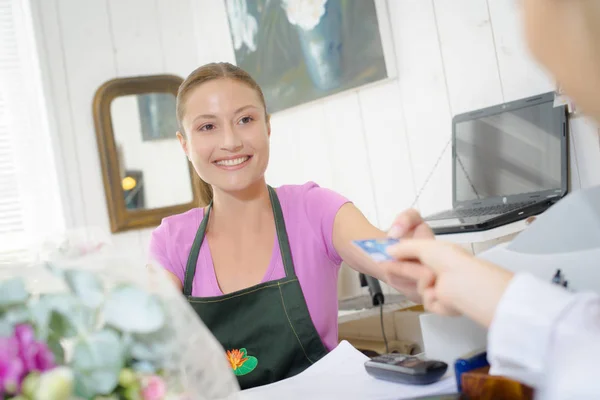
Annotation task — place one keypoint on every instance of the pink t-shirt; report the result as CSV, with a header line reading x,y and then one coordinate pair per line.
x,y
309,212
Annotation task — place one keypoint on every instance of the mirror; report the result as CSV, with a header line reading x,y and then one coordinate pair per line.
x,y
154,170
146,174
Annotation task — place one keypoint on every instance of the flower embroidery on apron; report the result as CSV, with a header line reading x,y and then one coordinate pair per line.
x,y
241,362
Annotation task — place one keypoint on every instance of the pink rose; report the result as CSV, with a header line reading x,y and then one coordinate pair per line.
x,y
154,388
35,355
19,355
11,366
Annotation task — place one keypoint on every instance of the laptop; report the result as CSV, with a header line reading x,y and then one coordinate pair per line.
x,y
509,162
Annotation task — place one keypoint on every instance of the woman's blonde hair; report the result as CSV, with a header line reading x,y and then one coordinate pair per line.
x,y
201,75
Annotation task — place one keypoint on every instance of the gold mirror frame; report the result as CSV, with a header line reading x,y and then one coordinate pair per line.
x,y
121,218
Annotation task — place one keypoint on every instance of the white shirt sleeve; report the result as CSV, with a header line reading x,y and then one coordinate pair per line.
x,y
548,338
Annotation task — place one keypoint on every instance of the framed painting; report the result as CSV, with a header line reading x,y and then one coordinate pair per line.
x,y
300,51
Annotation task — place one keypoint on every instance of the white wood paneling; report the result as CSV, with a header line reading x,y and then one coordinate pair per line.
x,y
376,145
436,192
574,174
299,148
178,42
145,236
585,152
136,40
472,77
88,57
89,64
84,44
131,244
49,36
212,32
352,175
520,75
388,150
469,54
423,93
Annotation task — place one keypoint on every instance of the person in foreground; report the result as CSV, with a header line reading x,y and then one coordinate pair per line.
x,y
259,265
548,337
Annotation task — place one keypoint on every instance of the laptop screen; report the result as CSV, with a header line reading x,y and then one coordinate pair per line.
x,y
509,153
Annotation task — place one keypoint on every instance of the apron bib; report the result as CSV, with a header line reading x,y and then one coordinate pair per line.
x,y
266,330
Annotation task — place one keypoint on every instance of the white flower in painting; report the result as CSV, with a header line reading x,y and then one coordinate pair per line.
x,y
304,13
243,25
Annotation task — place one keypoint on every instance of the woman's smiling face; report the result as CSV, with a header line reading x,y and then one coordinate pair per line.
x,y
226,134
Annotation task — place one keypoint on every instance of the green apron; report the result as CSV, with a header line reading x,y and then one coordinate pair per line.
x,y
266,329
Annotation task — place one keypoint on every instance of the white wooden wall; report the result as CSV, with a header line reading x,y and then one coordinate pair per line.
x,y
378,146
82,44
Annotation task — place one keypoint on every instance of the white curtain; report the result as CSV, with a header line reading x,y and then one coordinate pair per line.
x,y
29,196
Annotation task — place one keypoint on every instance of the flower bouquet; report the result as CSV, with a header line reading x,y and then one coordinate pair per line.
x,y
104,331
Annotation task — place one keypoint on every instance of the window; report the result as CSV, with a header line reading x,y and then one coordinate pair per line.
x,y
29,196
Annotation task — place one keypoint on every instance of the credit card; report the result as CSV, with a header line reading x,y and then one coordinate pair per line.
x,y
376,248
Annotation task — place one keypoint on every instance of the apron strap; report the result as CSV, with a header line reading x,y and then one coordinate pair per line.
x,y
282,237
190,269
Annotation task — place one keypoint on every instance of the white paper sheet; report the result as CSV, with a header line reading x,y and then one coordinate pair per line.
x,y
341,375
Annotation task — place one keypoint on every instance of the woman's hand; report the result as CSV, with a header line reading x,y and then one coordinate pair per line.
x,y
404,277
458,283
350,224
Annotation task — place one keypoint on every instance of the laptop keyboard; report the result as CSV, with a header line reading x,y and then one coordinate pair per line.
x,y
479,211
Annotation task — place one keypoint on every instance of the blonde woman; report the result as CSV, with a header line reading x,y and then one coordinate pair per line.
x,y
258,264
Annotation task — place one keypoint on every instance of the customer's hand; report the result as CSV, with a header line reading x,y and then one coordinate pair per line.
x,y
410,224
458,283
404,277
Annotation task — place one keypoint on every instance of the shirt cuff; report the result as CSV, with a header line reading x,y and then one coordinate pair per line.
x,y
521,331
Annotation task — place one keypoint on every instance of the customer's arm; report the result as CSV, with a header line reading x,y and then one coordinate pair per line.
x,y
539,333
548,338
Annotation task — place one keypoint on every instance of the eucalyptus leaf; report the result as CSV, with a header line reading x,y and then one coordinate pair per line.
x,y
130,309
13,316
56,271
153,346
126,342
12,292
89,385
72,317
40,316
18,314
64,303
57,349
6,328
86,286
60,325
97,361
143,367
